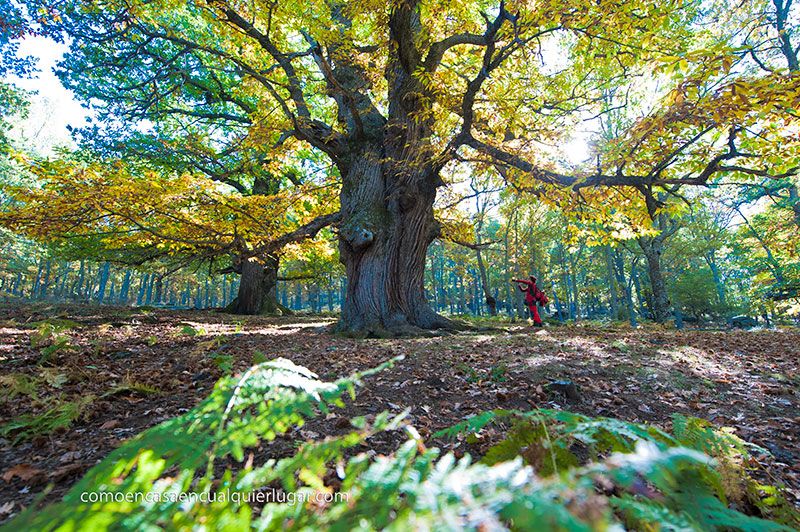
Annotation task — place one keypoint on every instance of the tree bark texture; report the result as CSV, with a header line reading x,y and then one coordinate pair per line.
x,y
257,289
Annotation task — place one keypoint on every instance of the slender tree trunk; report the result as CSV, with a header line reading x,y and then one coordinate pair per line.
x,y
575,299
640,296
45,283
518,302
570,311
142,289
297,300
794,199
90,280
159,294
284,292
78,286
63,281
715,274
491,302
507,274
558,305
774,265
652,247
148,298
17,283
38,280
619,271
612,283
105,271
476,295
462,298
126,286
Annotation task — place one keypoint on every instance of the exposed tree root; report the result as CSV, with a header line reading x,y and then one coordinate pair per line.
x,y
428,325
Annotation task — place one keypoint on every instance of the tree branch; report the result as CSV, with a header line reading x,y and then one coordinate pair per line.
x,y
308,230
438,49
473,246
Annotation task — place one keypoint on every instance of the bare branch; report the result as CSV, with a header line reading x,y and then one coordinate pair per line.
x,y
472,245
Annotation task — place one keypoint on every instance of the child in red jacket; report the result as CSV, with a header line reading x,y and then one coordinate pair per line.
x,y
533,297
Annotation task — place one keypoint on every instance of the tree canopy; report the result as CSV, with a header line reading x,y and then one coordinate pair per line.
x,y
395,101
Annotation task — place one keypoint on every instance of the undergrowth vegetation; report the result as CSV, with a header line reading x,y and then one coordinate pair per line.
x,y
60,415
554,470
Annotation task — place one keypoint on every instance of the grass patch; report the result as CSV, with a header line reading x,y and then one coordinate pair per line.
x,y
49,341
60,416
54,378
54,324
223,362
131,386
188,330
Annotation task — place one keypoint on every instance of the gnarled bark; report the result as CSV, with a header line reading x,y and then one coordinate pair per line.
x,y
388,225
257,294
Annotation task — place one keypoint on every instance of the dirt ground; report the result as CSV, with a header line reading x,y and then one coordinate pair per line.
x,y
137,367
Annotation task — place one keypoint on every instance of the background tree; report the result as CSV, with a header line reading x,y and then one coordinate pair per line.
x,y
137,218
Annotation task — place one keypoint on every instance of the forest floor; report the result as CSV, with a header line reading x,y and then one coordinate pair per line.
x,y
123,370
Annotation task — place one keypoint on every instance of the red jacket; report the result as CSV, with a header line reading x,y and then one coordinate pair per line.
x,y
532,292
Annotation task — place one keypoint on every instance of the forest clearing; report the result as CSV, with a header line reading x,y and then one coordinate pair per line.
x,y
399,265
641,376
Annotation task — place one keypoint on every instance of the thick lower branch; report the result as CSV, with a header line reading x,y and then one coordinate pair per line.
x,y
303,232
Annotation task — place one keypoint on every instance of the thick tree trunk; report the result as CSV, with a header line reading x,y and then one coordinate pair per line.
x,y
257,289
387,226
